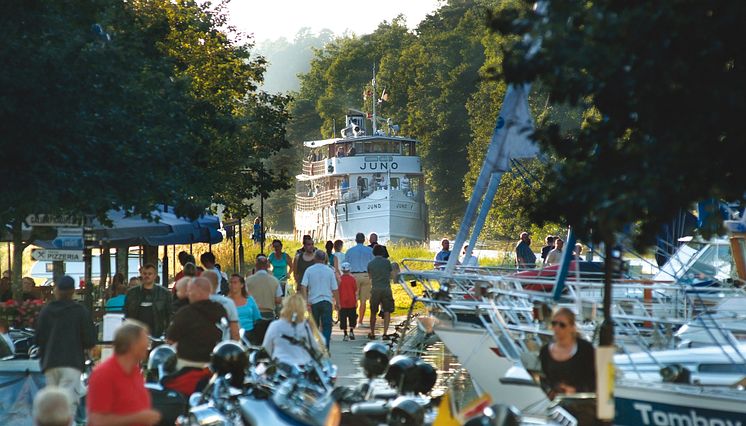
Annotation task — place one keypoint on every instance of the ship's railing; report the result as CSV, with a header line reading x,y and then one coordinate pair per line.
x,y
314,168
316,200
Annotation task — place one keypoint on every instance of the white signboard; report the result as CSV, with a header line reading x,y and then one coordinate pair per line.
x,y
70,232
369,163
50,255
55,220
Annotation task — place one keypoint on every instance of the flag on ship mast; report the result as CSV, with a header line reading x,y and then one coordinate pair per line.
x,y
384,96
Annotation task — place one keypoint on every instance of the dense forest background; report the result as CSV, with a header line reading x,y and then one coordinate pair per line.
x,y
441,91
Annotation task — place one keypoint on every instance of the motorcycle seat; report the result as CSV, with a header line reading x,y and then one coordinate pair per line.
x,y
187,380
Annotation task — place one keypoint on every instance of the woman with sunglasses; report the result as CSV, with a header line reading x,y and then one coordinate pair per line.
x,y
568,362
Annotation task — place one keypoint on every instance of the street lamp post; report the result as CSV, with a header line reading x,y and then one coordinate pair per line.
x,y
240,246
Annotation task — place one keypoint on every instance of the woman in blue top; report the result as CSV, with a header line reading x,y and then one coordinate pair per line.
x,y
248,311
280,261
116,303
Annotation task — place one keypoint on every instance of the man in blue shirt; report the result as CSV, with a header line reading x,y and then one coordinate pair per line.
x,y
524,256
441,258
358,257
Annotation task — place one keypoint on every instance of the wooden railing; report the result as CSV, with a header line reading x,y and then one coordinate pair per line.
x,y
315,201
314,168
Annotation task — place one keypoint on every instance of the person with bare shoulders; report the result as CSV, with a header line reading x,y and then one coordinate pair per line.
x,y
303,260
281,263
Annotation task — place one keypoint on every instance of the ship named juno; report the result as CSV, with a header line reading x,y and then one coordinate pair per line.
x,y
361,183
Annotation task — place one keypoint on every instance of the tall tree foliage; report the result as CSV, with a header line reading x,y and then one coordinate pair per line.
x,y
428,75
444,64
663,85
127,105
521,186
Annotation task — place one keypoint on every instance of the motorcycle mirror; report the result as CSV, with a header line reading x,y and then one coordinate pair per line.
x,y
195,399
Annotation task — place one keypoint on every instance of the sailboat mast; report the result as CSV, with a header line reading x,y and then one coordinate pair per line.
x,y
375,95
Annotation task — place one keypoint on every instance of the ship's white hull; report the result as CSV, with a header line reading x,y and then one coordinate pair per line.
x,y
394,218
476,351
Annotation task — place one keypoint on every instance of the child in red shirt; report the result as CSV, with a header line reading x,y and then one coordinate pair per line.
x,y
347,302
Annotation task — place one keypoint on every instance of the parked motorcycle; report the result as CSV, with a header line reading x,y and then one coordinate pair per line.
x,y
403,402
271,393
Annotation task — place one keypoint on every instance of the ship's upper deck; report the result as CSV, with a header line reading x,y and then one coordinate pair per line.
x,y
362,140
359,155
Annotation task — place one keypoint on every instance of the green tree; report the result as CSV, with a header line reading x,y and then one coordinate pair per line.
x,y
444,65
662,85
128,105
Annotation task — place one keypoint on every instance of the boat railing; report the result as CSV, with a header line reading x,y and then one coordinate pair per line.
x,y
316,200
641,320
314,168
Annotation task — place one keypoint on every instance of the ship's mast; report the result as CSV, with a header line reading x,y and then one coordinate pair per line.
x,y
375,95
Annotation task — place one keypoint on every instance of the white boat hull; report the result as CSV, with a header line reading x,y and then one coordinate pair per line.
x,y
393,218
477,352
645,403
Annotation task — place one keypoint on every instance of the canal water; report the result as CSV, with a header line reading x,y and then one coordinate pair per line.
x,y
451,375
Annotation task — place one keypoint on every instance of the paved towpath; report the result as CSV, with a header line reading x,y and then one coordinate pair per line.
x,y
347,355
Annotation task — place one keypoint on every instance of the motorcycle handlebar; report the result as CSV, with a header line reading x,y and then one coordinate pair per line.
x,y
369,408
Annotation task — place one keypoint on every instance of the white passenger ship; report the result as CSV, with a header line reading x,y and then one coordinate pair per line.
x,y
361,183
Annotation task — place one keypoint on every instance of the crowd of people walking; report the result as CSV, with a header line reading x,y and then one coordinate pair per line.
x,y
203,307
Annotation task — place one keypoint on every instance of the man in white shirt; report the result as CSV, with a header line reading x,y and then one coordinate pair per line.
x,y
208,262
319,288
468,261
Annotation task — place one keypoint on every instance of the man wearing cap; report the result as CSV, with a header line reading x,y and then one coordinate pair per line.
x,y
524,256
347,302
64,332
358,257
265,289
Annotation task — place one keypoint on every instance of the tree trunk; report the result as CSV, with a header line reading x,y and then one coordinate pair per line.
x,y
164,266
123,262
58,270
241,264
606,337
150,255
17,270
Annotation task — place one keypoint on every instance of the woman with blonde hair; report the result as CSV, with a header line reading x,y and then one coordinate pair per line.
x,y
568,362
292,326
